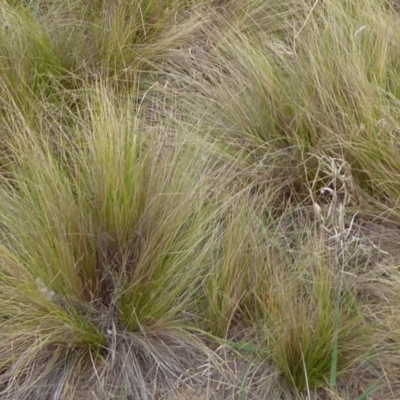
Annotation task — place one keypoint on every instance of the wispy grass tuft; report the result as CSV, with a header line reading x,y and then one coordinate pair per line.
x,y
199,198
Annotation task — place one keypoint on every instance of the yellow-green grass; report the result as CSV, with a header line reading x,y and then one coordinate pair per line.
x,y
199,198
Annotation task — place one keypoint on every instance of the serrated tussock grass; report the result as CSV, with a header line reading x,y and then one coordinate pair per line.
x,y
199,198
115,237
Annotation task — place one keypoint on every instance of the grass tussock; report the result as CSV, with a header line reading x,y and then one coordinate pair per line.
x,y
199,199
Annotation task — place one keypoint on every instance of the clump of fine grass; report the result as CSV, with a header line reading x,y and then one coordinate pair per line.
x,y
321,316
305,88
51,50
186,192
107,242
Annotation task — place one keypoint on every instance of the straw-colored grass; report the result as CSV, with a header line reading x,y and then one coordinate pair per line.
x,y
199,199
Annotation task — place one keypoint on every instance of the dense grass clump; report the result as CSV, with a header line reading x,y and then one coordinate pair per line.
x,y
199,199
